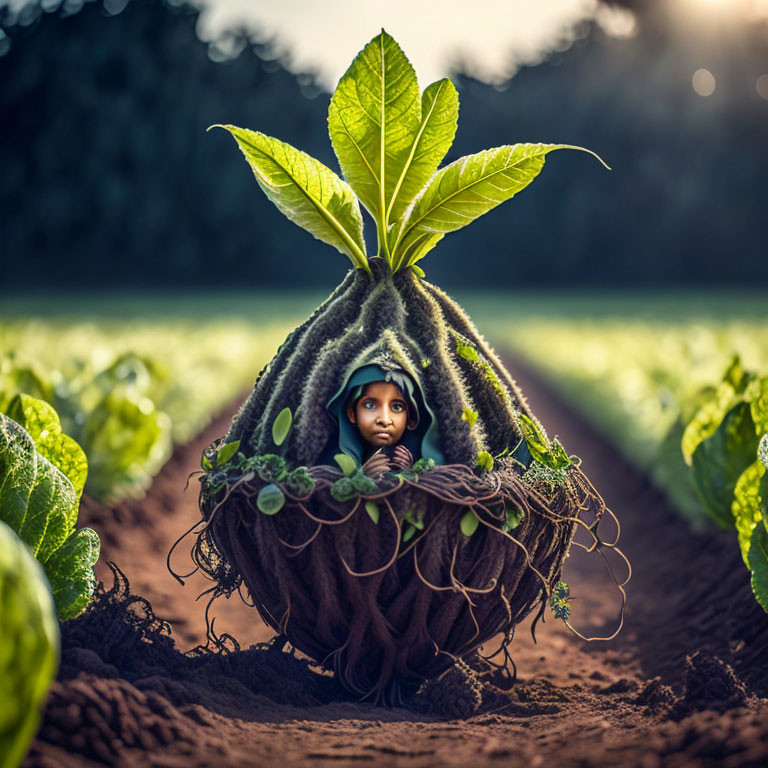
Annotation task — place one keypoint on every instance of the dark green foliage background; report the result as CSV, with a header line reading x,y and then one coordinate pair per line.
x,y
109,178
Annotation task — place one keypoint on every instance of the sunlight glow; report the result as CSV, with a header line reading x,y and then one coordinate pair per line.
x,y
749,9
491,39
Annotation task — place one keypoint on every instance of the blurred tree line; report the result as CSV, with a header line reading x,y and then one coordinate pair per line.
x,y
110,179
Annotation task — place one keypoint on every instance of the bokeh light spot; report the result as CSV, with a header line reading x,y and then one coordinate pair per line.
x,y
703,82
114,7
616,21
761,86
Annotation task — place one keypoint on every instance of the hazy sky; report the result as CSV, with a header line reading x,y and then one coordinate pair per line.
x,y
492,35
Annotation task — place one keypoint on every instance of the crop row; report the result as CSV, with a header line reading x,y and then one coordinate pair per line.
x,y
685,402
127,391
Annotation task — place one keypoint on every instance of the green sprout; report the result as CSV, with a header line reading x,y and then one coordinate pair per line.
x,y
389,139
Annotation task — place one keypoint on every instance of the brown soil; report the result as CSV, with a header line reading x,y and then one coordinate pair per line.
x,y
681,685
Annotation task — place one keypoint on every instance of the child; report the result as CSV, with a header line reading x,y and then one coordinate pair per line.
x,y
378,409
381,415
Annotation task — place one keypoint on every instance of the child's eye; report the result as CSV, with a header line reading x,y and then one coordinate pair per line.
x,y
369,404
397,406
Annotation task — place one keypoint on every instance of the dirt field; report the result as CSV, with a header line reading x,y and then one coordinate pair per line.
x,y
684,683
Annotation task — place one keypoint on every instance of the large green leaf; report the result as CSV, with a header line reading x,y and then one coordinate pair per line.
x,y
18,470
309,193
719,461
466,189
29,646
439,118
373,119
36,501
758,564
759,404
708,417
417,249
70,571
36,416
670,472
42,423
747,502
47,521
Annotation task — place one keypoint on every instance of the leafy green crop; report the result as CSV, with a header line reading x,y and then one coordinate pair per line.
x,y
29,646
721,443
657,390
729,468
720,459
758,564
42,474
127,392
710,415
110,412
389,140
639,374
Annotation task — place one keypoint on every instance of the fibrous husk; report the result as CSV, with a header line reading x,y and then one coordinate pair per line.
x,y
384,611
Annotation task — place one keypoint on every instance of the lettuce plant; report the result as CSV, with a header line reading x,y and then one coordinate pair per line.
x,y
29,646
389,140
726,445
110,412
42,474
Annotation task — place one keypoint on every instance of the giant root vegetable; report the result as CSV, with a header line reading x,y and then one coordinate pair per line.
x,y
386,571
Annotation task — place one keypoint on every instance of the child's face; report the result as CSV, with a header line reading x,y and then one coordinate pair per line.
x,y
381,414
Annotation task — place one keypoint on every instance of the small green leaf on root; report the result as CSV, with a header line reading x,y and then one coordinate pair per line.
x,y
270,499
346,463
372,508
281,426
226,452
484,461
469,523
